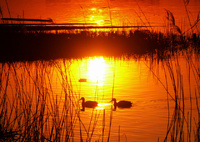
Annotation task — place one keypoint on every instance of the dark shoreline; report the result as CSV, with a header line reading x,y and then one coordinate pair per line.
x,y
23,46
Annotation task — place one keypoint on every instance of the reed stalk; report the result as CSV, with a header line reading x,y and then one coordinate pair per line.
x,y
180,126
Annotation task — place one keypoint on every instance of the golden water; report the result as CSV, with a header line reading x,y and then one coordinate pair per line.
x,y
139,81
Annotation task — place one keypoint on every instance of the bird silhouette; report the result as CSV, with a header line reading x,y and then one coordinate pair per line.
x,y
88,104
121,104
82,80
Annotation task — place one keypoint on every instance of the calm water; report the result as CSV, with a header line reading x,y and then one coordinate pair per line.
x,y
128,79
133,81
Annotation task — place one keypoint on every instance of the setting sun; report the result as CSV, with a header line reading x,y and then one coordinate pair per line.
x,y
97,16
100,22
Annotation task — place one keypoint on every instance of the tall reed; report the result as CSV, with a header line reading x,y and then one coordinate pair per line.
x,y
30,108
184,90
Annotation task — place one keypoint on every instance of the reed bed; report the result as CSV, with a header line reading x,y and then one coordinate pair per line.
x,y
183,124
181,83
31,108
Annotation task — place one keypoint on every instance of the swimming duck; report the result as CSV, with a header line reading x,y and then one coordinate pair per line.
x,y
82,80
122,104
89,104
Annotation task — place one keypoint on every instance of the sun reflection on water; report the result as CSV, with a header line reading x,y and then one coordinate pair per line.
x,y
96,70
103,105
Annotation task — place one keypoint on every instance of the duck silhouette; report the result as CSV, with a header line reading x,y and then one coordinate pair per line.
x,y
121,104
88,104
82,80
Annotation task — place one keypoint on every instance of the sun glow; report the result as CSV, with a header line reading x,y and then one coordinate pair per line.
x,y
103,105
97,20
96,70
100,22
97,16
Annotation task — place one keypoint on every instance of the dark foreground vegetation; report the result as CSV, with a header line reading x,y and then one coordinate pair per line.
x,y
42,45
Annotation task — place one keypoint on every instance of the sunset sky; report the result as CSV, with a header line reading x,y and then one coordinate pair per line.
x,y
131,12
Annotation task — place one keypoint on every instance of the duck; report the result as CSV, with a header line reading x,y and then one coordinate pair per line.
x,y
88,104
82,80
122,103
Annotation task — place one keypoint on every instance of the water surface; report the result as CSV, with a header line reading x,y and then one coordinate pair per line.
x,y
140,81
